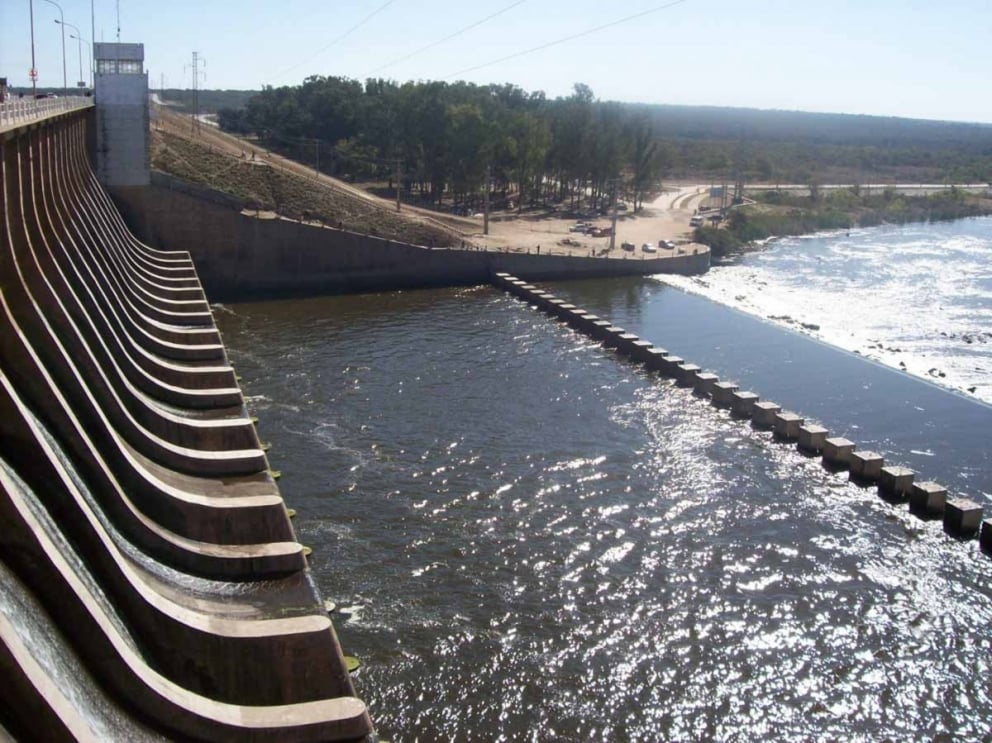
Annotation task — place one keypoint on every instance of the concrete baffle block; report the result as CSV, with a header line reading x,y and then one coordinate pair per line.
x,y
927,498
589,320
962,517
896,482
625,344
543,300
837,451
564,310
723,393
812,438
703,383
764,412
684,374
986,536
577,319
611,339
653,358
787,425
639,351
742,404
669,364
866,466
599,329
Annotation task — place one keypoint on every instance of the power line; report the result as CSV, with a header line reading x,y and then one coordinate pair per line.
x,y
339,39
468,28
633,17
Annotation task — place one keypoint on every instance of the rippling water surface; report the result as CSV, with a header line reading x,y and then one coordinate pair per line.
x,y
534,540
916,297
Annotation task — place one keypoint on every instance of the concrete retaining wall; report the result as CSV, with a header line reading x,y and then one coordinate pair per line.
x,y
240,257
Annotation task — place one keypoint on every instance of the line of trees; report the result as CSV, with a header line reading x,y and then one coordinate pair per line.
x,y
445,136
839,209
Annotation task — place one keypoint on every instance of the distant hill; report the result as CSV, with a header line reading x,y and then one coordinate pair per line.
x,y
740,124
211,101
551,150
761,125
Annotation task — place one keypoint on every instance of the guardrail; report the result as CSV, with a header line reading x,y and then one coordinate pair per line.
x,y
23,110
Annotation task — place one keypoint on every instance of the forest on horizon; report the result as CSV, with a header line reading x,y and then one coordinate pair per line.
x,y
446,135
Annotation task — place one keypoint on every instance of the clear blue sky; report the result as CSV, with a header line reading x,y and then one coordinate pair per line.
x,y
915,58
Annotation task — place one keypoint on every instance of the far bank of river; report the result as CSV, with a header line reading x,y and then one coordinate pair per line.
x,y
782,213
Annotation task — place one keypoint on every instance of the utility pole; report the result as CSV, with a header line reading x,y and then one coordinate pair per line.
x,y
65,77
485,213
398,184
613,229
92,39
34,70
196,90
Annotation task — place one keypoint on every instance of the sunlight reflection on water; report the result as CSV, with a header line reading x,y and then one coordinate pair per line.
x,y
546,543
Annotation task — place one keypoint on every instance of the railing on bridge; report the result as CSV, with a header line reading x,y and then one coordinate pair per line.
x,y
22,110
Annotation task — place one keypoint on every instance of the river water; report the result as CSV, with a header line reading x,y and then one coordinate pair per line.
x,y
532,539
917,297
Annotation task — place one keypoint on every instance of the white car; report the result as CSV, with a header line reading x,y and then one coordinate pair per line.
x,y
649,248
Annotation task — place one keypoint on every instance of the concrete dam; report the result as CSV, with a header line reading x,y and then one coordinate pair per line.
x,y
152,585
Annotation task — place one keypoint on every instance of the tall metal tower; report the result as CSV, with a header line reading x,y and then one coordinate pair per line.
x,y
197,61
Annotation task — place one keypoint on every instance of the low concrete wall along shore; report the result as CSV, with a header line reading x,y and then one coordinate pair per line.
x,y
240,256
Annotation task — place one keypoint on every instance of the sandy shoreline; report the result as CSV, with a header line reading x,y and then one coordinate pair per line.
x,y
666,217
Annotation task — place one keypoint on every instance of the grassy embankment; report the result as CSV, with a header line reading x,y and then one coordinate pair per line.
x,y
266,187
780,214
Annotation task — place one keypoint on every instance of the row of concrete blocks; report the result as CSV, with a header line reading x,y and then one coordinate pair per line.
x,y
961,517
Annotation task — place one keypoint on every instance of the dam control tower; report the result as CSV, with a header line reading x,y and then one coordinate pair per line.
x,y
121,92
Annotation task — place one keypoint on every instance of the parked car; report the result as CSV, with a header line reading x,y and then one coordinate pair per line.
x,y
578,227
627,246
649,248
696,221
670,244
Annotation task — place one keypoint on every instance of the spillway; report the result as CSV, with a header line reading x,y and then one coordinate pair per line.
x,y
151,581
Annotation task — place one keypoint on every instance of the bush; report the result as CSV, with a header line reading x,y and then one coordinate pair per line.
x,y
720,242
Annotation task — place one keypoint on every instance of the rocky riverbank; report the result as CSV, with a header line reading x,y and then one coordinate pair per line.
x,y
780,214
